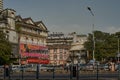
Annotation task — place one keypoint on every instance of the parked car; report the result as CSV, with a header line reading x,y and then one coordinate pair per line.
x,y
86,67
82,67
100,67
1,68
89,67
15,68
107,67
43,67
46,67
117,66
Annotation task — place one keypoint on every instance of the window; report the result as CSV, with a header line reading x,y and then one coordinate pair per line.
x,y
7,37
14,38
7,31
61,50
55,50
65,57
65,51
55,57
61,56
32,39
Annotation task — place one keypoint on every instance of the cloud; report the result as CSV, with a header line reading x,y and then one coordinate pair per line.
x,y
109,29
81,29
70,28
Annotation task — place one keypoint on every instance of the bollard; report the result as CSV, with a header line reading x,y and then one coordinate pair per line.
x,y
74,71
53,72
6,71
22,72
37,72
77,72
9,71
119,71
97,71
70,68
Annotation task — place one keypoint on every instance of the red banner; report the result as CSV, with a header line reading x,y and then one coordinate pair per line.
x,y
37,61
43,56
40,52
28,50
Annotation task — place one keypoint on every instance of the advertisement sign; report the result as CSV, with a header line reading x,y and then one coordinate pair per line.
x,y
28,50
34,53
30,60
42,56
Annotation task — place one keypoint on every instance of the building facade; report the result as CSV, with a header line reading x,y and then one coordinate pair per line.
x,y
7,24
1,5
59,45
78,53
28,38
32,41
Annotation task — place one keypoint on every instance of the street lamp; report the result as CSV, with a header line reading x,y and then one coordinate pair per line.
x,y
90,10
93,33
118,55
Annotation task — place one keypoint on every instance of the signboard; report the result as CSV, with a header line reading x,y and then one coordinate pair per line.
x,y
34,53
37,61
42,56
28,50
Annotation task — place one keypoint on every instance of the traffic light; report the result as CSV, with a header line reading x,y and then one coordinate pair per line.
x,y
74,71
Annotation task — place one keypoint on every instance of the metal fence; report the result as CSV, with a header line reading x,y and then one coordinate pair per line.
x,y
71,73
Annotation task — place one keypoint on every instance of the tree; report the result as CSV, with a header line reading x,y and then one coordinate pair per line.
x,y
105,45
5,48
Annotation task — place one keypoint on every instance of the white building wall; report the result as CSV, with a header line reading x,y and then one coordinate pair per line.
x,y
13,37
1,5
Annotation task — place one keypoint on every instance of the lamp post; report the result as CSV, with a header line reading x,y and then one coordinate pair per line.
x,y
93,34
118,55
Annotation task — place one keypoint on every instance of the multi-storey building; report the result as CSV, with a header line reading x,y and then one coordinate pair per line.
x,y
32,40
7,24
59,45
78,51
66,49
28,38
1,5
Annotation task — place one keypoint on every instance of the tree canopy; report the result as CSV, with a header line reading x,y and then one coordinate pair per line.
x,y
5,49
106,45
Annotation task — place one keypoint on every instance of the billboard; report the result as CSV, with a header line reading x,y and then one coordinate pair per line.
x,y
34,53
39,61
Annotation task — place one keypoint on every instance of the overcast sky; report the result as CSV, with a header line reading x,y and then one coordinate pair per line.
x,y
70,15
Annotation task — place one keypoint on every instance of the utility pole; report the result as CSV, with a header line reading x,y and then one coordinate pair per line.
x,y
118,50
92,33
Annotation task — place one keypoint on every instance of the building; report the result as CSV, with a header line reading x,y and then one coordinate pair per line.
x,y
59,45
28,38
78,52
32,41
7,24
1,5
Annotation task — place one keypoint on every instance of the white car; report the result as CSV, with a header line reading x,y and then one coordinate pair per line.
x,y
15,68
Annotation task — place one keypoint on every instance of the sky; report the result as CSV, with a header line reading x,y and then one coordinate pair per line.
x,y
70,15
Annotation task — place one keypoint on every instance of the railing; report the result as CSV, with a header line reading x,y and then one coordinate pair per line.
x,y
60,73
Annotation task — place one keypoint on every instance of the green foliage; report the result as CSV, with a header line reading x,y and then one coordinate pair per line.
x,y
105,45
5,49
